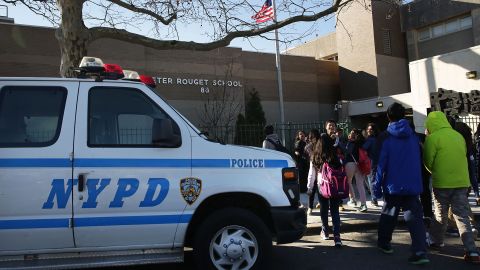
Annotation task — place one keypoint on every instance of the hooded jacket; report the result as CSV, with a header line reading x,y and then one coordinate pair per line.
x,y
399,164
272,137
445,153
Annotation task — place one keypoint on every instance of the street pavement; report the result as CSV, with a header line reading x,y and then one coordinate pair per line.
x,y
359,252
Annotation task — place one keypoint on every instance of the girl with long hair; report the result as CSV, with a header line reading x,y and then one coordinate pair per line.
x,y
319,156
355,142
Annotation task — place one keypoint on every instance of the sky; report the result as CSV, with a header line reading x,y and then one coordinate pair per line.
x,y
23,15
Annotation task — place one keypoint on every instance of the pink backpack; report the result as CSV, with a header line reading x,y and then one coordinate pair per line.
x,y
333,182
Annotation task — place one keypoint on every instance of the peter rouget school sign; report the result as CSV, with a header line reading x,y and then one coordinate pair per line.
x,y
203,83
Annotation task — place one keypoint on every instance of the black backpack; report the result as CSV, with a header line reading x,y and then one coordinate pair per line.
x,y
279,147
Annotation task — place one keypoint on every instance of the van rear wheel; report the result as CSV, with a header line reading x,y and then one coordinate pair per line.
x,y
232,238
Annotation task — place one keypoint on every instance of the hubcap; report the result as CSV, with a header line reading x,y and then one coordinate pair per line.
x,y
234,247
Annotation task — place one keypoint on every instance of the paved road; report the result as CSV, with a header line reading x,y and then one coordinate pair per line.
x,y
359,252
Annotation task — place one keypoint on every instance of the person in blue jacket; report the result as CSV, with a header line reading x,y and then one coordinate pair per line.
x,y
398,179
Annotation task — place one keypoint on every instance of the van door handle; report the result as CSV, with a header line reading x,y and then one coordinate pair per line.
x,y
81,182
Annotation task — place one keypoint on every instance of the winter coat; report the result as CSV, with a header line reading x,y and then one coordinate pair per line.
x,y
268,145
445,153
399,164
370,146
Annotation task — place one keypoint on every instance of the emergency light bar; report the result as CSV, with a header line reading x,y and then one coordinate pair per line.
x,y
94,67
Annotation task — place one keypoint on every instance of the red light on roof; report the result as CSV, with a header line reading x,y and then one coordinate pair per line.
x,y
113,71
148,80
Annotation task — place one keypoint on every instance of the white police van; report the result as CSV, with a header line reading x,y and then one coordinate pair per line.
x,y
97,172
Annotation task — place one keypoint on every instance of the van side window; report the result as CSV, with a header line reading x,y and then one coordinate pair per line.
x,y
126,117
31,116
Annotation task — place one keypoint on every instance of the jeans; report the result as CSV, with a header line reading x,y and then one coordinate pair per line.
x,y
311,197
413,214
331,204
456,198
371,179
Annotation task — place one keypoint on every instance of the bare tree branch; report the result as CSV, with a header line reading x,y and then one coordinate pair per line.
x,y
130,6
103,32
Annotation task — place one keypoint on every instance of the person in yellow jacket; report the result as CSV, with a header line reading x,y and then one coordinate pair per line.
x,y
445,157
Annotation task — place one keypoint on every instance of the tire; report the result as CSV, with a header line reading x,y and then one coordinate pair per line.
x,y
232,238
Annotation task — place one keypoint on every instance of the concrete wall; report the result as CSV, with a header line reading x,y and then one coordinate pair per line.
x,y
320,48
392,75
309,84
444,71
356,50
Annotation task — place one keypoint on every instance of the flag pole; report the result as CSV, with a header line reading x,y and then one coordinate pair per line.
x,y
279,75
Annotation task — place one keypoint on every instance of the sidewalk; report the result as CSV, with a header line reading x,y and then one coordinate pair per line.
x,y
357,221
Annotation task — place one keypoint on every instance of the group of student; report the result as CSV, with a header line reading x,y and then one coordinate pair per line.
x,y
419,174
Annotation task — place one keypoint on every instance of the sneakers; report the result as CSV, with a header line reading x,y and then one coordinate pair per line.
x,y
338,241
317,205
352,203
363,208
324,234
374,202
387,249
310,211
419,258
472,257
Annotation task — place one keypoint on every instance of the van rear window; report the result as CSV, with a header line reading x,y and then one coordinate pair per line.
x,y
31,116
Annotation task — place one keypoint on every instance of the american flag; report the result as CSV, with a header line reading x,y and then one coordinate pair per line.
x,y
265,13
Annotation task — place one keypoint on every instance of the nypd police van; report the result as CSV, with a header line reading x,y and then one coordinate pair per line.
x,y
98,172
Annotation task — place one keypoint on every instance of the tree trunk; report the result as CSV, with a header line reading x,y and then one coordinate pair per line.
x,y
72,36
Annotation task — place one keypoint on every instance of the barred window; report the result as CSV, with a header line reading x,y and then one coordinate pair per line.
x,y
31,116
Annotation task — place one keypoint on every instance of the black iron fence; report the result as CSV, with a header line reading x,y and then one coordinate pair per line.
x,y
253,134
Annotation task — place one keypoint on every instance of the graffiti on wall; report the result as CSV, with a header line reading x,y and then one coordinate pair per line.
x,y
455,103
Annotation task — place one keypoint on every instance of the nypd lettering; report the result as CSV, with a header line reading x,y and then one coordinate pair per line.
x,y
247,163
60,192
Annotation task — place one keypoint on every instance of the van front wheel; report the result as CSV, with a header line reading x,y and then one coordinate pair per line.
x,y
232,238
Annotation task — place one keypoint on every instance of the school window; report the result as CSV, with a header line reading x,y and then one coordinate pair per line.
x,y
31,116
125,117
445,28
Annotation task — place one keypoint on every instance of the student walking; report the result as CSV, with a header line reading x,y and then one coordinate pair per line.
x,y
301,159
398,179
324,154
445,156
313,137
271,138
370,146
355,142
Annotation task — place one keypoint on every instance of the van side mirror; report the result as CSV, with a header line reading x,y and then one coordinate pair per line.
x,y
163,135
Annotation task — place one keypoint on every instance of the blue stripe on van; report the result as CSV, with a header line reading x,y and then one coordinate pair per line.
x,y
130,220
34,223
211,163
126,163
35,162
93,221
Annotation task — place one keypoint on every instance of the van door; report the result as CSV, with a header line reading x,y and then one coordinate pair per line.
x,y
36,145
130,156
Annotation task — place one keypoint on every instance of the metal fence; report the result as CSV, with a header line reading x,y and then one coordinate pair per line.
x,y
253,134
471,121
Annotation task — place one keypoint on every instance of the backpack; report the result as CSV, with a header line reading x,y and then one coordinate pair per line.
x,y
279,147
364,162
333,183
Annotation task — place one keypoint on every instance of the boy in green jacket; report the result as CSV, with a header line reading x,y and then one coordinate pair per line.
x,y
444,156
